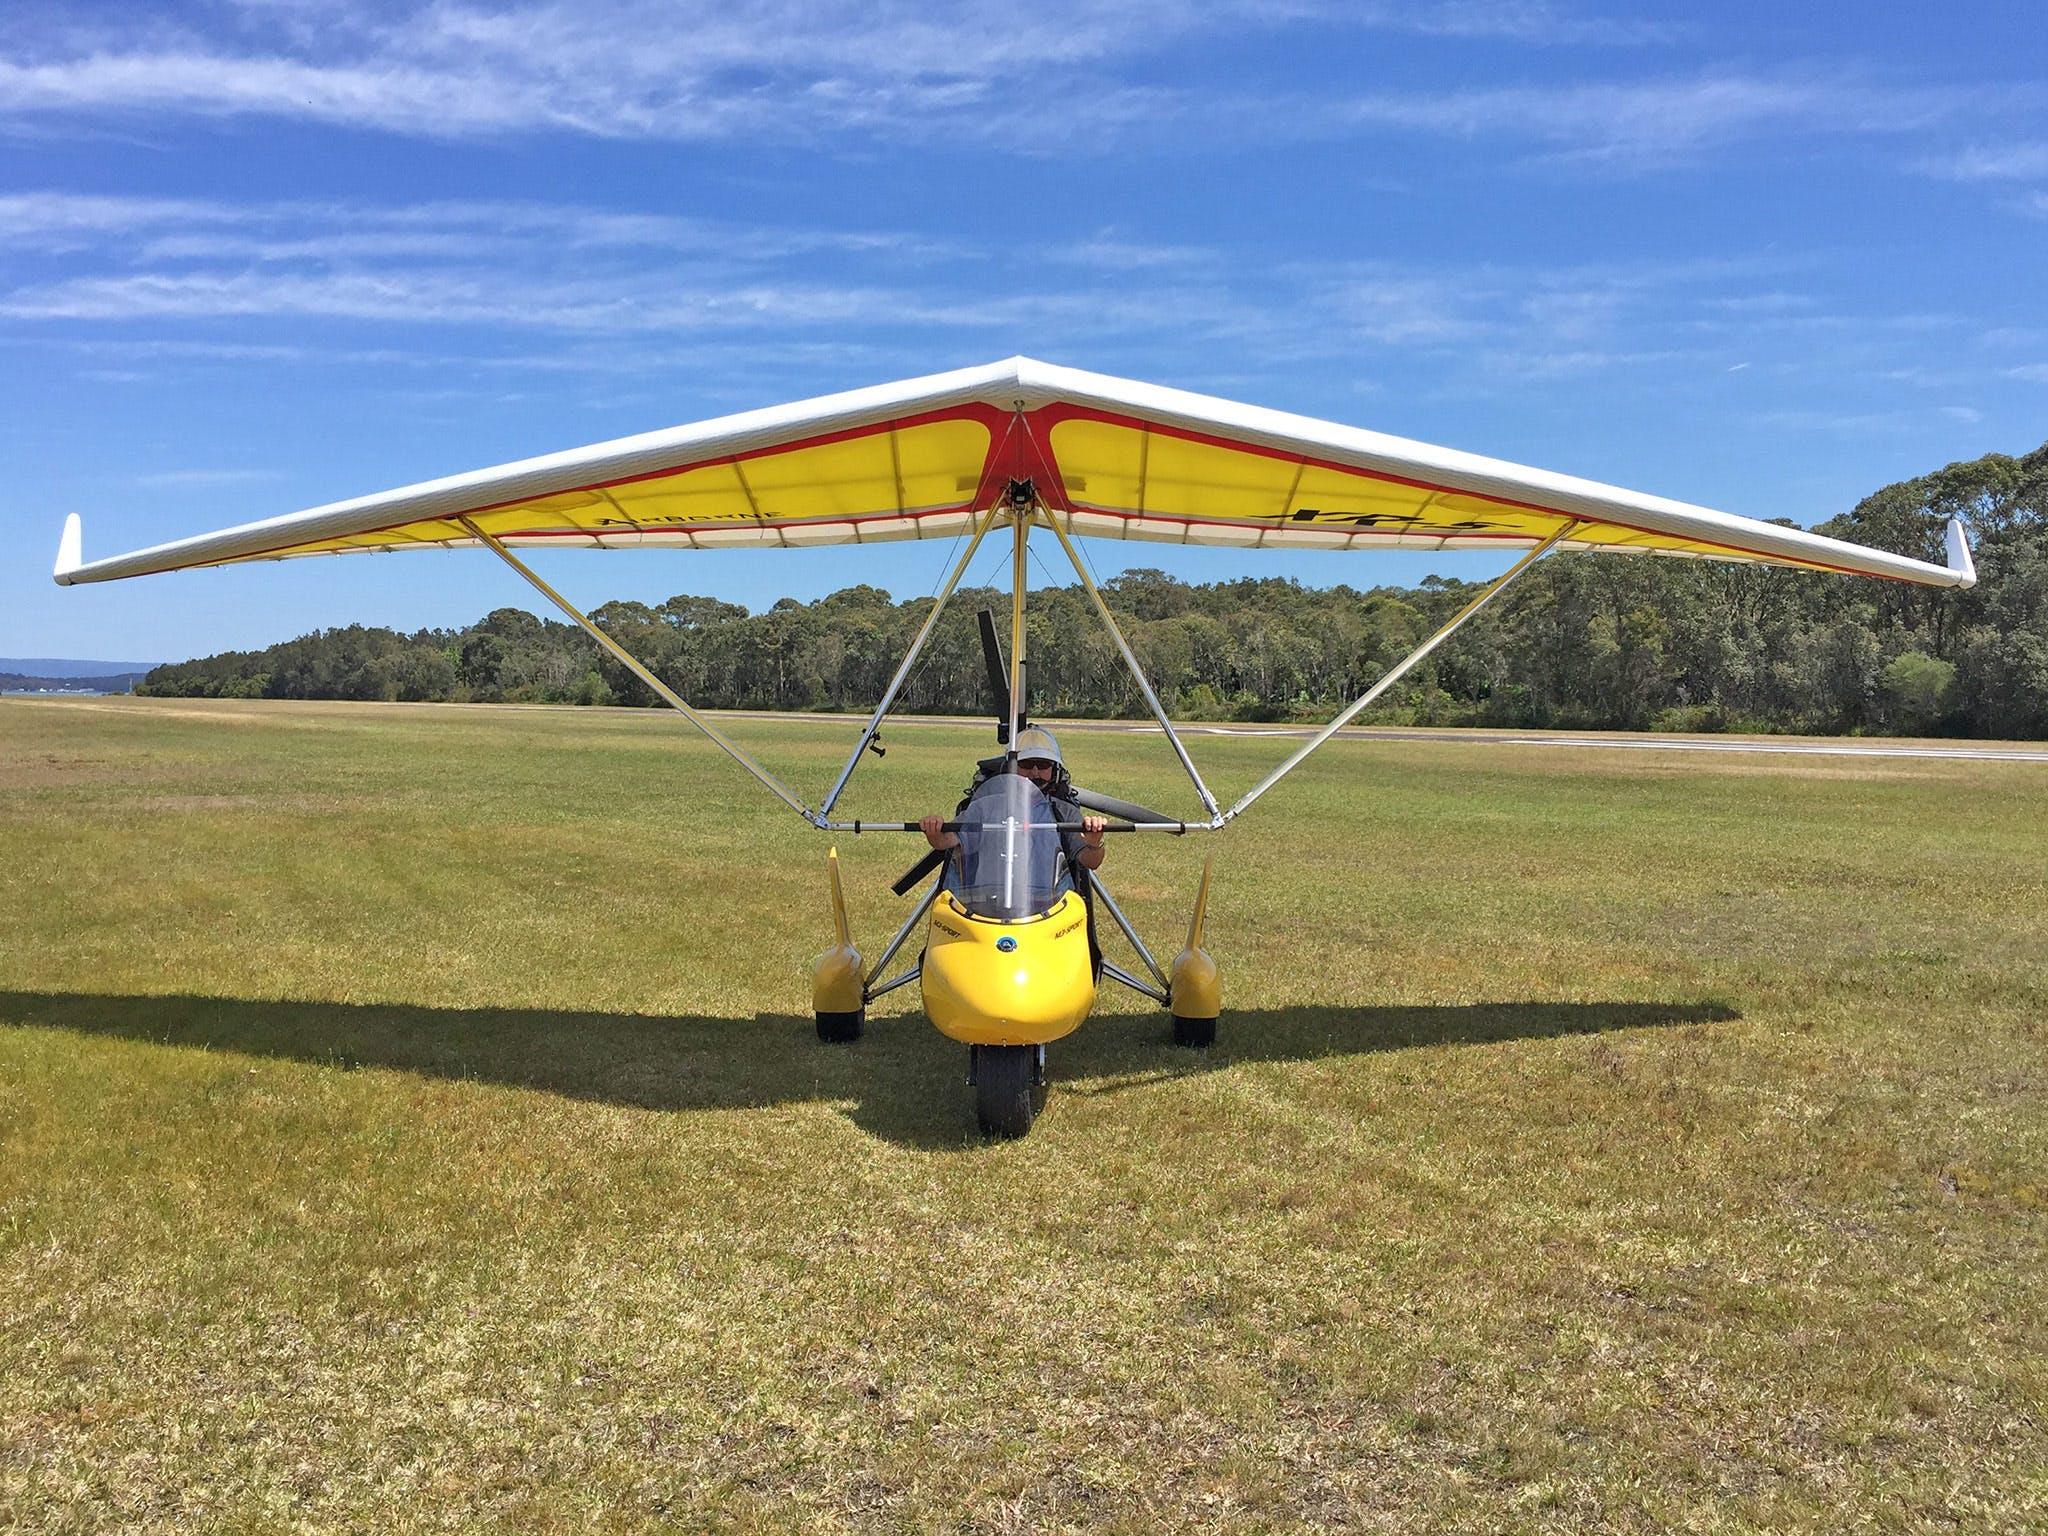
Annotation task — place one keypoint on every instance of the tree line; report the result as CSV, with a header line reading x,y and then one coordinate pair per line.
x,y
1583,641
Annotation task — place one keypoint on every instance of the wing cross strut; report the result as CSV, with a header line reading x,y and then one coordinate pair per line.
x,y
1400,669
775,786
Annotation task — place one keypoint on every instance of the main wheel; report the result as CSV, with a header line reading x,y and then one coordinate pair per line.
x,y
1199,1033
1009,1088
838,1028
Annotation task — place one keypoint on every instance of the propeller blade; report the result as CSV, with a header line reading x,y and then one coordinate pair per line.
x,y
932,860
998,675
1120,810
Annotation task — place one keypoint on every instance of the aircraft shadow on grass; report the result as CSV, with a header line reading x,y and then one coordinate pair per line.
x,y
904,1079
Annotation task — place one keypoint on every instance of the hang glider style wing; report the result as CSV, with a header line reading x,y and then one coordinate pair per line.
x,y
1105,457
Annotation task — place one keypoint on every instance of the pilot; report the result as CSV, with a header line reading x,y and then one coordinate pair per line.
x,y
1081,845
1039,761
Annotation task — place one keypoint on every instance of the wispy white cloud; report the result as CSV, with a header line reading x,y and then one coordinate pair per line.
x,y
1109,251
2022,161
1533,22
1404,309
649,69
437,288
2036,373
609,68
1843,423
1654,122
67,218
1537,365
185,227
1772,302
784,70
469,297
527,266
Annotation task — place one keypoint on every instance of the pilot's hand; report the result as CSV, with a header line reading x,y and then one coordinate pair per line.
x,y
1091,831
933,827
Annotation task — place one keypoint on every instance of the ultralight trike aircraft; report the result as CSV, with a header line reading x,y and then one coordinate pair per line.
x,y
1009,963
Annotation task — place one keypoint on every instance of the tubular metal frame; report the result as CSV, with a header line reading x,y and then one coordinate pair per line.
x,y
931,623
892,984
1021,520
675,700
910,922
1117,973
1096,882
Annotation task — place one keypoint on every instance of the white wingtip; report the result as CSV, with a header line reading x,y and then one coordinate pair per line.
x,y
69,550
1959,559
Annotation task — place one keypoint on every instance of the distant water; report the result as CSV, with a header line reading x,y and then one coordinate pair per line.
x,y
70,666
59,693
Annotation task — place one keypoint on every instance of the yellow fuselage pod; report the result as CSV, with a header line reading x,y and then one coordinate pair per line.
x,y
1037,989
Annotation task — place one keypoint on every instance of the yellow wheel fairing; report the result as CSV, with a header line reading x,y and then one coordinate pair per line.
x,y
1037,992
897,472
838,982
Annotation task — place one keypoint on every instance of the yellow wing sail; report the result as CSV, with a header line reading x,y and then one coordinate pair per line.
x,y
1111,458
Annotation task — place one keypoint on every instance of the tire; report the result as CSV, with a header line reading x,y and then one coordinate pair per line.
x,y
839,1028
1008,1089
1197,1033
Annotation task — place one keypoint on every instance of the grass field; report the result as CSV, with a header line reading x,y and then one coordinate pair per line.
x,y
411,1121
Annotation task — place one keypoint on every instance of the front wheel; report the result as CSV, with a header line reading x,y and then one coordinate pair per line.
x,y
1009,1088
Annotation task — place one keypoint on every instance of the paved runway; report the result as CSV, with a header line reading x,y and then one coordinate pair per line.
x,y
1996,752
1847,747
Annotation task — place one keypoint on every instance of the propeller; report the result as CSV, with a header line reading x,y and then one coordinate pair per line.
x,y
998,677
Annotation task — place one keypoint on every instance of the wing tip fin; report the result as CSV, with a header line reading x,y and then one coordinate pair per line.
x,y
1959,558
70,551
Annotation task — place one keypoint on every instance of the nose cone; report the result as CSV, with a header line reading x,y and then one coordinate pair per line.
x,y
1038,989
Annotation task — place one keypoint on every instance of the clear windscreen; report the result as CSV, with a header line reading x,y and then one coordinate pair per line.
x,y
1009,850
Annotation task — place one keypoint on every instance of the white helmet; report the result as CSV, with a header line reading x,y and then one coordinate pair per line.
x,y
1037,741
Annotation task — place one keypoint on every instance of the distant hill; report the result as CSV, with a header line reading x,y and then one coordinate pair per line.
x,y
46,666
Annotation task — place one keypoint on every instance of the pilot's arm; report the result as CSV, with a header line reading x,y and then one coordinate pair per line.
x,y
934,833
1090,856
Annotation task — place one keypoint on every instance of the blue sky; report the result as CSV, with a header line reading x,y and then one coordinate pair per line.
x,y
257,256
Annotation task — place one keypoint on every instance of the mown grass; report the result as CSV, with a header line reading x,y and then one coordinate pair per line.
x,y
411,1122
